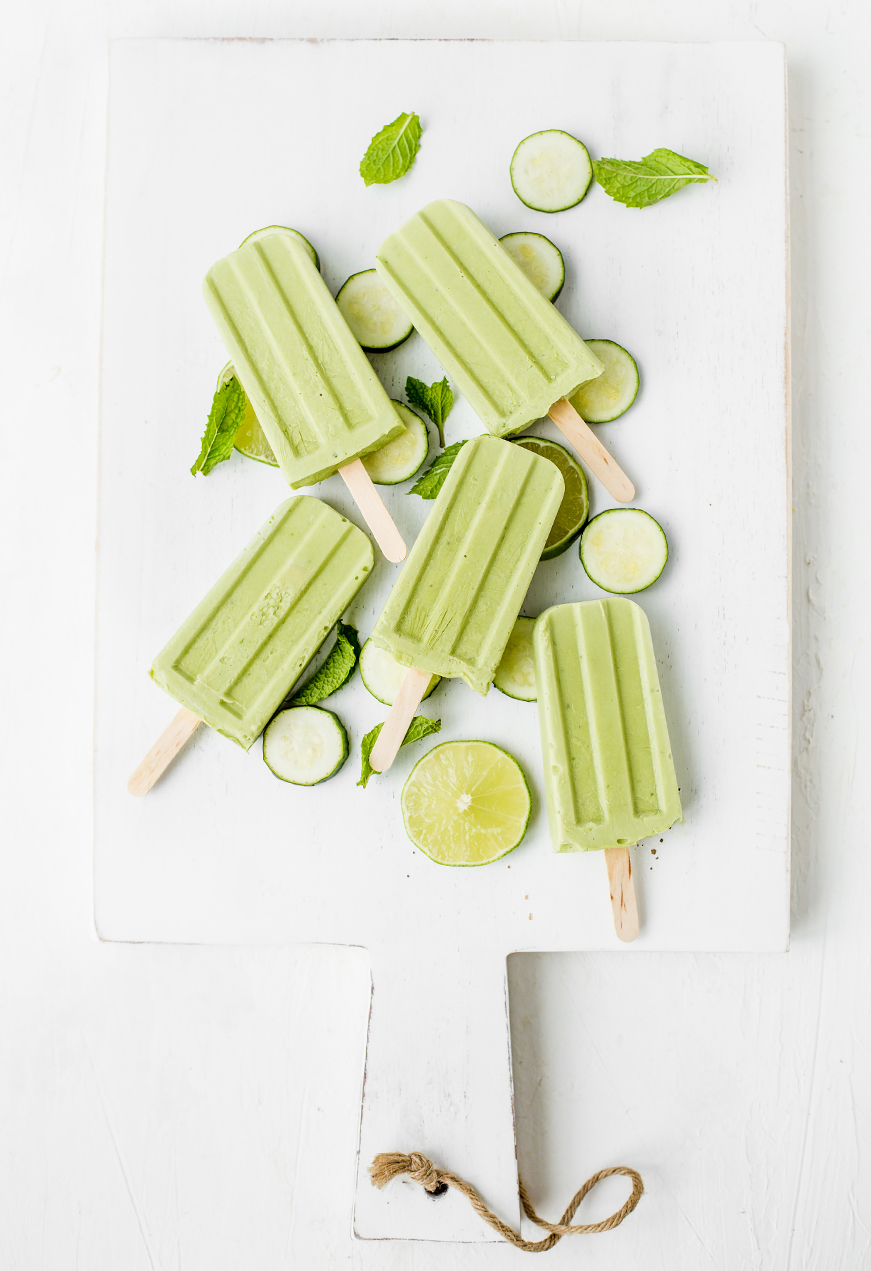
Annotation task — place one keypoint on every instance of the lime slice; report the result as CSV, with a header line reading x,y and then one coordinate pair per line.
x,y
515,674
285,229
250,440
466,803
575,507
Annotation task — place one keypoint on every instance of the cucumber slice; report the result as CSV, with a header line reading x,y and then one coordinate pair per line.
x,y
275,229
383,675
305,745
575,507
515,674
540,259
612,393
372,313
250,438
623,550
551,171
404,455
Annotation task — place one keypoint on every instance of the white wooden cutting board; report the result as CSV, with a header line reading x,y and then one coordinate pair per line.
x,y
209,140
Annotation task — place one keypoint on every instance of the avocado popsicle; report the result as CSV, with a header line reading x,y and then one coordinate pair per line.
x,y
313,389
608,769
235,658
511,352
455,602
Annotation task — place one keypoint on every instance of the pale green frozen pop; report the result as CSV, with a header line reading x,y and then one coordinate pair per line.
x,y
510,351
313,389
608,771
234,660
455,602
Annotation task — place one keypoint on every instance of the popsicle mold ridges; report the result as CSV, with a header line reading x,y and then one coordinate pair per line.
x,y
509,350
312,387
455,602
247,642
608,769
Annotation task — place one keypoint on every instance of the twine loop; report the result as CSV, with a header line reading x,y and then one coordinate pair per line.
x,y
389,1165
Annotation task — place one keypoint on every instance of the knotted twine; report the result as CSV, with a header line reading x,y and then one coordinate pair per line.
x,y
389,1165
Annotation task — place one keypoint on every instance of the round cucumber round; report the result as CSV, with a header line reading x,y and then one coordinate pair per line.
x,y
404,455
575,507
383,675
613,392
540,259
285,229
305,745
623,550
515,674
372,312
551,171
250,439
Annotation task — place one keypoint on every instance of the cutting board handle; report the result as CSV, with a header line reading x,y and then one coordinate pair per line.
x,y
438,1081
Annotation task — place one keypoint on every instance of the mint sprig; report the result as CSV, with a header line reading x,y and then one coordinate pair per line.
x,y
334,672
392,151
434,400
643,182
433,479
228,409
419,728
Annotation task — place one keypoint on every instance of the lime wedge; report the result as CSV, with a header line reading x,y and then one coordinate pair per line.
x,y
250,440
575,507
466,803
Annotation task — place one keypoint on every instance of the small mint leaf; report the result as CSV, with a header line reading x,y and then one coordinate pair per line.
x,y
392,151
433,479
228,409
643,182
419,728
434,400
334,672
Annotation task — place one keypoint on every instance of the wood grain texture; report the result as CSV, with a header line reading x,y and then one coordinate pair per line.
x,y
618,861
579,434
719,613
162,753
373,511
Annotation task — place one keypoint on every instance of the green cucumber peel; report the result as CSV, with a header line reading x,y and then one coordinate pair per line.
x,y
419,728
643,182
433,479
334,672
227,413
434,400
392,151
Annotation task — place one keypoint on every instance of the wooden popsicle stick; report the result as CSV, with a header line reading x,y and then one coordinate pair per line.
x,y
578,432
375,514
401,714
622,888
162,753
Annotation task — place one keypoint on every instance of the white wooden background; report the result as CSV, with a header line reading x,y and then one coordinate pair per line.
x,y
170,1107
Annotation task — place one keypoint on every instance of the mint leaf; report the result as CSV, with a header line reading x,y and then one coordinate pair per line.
x,y
419,728
433,479
334,672
392,151
228,408
642,182
434,400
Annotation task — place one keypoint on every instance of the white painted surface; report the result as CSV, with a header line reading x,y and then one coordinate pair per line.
x,y
222,852
173,1107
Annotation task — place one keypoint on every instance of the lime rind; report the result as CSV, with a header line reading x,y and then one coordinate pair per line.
x,y
466,803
